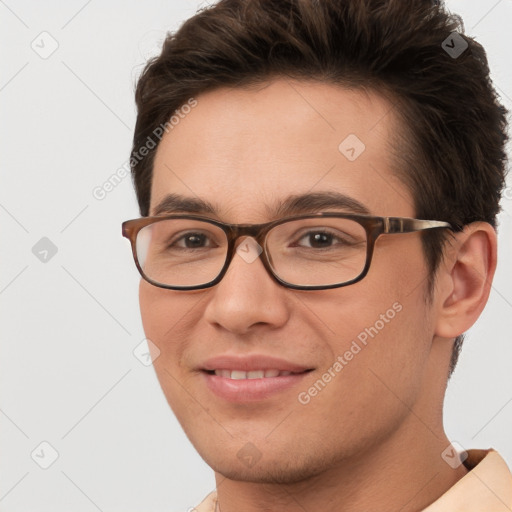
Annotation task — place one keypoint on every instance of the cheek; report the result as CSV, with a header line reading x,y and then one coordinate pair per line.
x,y
390,337
165,311
153,310
167,317
373,377
382,324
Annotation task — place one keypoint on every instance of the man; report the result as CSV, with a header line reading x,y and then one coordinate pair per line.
x,y
305,324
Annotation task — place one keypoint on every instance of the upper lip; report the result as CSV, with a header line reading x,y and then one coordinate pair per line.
x,y
252,362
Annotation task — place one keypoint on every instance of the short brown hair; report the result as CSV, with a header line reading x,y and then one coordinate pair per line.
x,y
451,153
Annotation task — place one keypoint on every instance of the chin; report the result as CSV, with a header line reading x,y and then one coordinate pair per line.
x,y
245,466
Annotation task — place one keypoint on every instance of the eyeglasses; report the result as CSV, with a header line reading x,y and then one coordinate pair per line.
x,y
307,252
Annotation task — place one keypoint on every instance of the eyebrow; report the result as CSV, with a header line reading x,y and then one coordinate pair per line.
x,y
312,202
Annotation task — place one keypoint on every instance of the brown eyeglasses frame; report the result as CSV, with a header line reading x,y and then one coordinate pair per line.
x,y
374,227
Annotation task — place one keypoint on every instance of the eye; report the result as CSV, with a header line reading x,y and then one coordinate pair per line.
x,y
192,240
321,239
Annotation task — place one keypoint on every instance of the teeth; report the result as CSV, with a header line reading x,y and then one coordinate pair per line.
x,y
258,374
255,374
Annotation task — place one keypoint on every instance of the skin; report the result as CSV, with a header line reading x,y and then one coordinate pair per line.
x,y
372,438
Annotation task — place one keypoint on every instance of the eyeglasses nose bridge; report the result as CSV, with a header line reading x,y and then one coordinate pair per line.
x,y
258,233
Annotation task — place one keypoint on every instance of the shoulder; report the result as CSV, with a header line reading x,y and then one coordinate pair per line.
x,y
207,505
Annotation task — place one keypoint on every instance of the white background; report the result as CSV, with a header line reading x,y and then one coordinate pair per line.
x,y
69,326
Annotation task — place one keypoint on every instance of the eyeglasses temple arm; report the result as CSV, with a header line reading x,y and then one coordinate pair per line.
x,y
406,225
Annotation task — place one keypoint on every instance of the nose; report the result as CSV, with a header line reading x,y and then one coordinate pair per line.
x,y
247,295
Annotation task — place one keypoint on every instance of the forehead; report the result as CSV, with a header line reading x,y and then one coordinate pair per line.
x,y
245,150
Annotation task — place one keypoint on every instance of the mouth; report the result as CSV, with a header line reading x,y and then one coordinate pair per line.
x,y
243,387
254,374
242,378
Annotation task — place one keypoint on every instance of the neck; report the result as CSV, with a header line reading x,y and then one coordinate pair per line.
x,y
405,472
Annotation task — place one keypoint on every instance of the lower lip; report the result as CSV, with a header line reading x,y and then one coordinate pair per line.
x,y
250,390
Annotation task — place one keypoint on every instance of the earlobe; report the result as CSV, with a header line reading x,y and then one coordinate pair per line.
x,y
466,275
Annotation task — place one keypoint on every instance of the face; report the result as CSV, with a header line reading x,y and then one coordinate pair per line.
x,y
352,350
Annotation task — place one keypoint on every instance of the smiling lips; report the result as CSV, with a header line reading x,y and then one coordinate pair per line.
x,y
255,374
250,378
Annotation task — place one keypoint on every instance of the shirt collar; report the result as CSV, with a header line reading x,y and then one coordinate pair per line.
x,y
487,486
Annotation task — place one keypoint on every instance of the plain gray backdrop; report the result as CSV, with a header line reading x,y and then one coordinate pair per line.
x,y
69,290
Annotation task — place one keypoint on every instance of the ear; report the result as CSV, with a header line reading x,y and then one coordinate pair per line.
x,y
465,277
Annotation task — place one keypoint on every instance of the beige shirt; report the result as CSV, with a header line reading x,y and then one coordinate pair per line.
x,y
487,487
